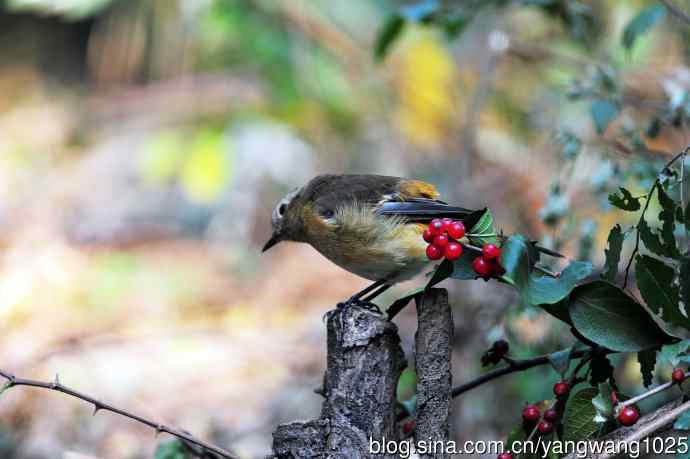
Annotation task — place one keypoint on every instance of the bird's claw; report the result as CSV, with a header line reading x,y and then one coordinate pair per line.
x,y
353,301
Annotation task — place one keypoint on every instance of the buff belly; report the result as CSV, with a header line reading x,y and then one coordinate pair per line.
x,y
394,252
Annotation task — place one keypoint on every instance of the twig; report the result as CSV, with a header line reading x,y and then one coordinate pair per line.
x,y
13,381
518,365
649,393
676,11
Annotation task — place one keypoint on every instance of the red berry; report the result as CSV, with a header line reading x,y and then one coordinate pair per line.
x,y
482,266
545,427
678,375
436,226
491,252
409,426
505,456
428,236
561,388
433,252
441,241
531,413
446,223
456,230
453,251
628,416
551,415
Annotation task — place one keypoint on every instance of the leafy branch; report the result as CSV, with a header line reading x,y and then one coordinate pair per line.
x,y
13,381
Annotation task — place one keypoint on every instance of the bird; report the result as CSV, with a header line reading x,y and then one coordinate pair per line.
x,y
370,225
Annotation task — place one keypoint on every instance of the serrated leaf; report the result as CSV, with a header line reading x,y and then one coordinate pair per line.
x,y
625,201
602,402
462,267
650,239
647,361
517,261
441,273
641,23
549,290
683,422
655,281
668,220
578,418
606,315
600,369
613,254
603,112
484,231
387,35
560,360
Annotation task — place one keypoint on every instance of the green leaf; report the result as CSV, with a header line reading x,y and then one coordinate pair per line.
x,y
683,422
650,239
387,35
686,216
517,260
560,360
600,369
172,449
462,267
441,273
647,361
549,290
603,405
578,418
558,310
626,201
483,232
671,353
684,283
603,111
667,217
655,281
606,315
613,254
641,23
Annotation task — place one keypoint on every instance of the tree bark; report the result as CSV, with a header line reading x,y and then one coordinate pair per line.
x,y
364,363
434,380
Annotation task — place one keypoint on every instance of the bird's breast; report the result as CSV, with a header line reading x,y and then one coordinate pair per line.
x,y
370,245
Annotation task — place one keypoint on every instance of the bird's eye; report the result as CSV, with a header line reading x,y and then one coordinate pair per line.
x,y
281,209
327,213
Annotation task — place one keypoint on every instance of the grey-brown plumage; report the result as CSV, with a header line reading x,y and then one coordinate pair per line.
x,y
370,225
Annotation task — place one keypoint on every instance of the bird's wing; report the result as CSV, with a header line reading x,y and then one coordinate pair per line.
x,y
424,210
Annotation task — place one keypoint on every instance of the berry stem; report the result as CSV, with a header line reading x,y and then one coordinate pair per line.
x,y
649,393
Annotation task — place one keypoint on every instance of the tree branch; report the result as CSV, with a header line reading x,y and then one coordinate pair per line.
x,y
676,11
13,381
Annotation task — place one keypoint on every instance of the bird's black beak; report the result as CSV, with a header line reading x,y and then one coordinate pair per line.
x,y
275,238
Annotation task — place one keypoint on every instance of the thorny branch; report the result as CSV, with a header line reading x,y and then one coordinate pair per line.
x,y
98,405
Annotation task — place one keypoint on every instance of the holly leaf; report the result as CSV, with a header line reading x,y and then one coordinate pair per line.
x,y
613,254
172,449
607,316
462,267
667,217
625,201
641,24
683,422
601,369
578,418
647,361
558,310
543,289
387,35
483,232
650,239
655,281
517,258
603,112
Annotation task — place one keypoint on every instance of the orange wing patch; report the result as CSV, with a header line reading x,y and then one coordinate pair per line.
x,y
417,189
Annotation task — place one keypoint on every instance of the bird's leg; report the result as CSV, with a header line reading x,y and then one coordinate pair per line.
x,y
361,298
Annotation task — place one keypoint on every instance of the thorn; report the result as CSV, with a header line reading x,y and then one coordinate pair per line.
x,y
159,429
96,408
56,382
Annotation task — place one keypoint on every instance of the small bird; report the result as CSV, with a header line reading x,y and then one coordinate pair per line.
x,y
370,225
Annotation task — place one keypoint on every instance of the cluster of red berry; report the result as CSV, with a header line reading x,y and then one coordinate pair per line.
x,y
486,265
443,236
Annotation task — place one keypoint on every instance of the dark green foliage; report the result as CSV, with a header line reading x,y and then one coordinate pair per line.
x,y
647,361
625,201
642,23
603,112
613,254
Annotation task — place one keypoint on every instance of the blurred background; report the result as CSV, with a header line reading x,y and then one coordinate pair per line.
x,y
143,145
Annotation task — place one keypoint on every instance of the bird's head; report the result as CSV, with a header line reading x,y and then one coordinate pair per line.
x,y
286,220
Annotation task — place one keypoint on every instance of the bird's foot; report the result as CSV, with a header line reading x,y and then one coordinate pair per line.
x,y
353,301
